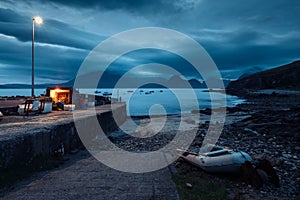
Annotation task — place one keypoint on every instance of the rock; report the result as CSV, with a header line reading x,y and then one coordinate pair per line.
x,y
188,185
177,164
263,175
266,166
293,168
286,155
263,192
250,175
207,111
266,151
74,151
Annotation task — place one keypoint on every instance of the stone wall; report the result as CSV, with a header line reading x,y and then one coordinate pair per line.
x,y
22,147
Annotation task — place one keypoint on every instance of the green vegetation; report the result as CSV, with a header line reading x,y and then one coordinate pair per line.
x,y
203,186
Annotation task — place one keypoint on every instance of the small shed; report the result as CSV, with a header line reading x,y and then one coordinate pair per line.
x,y
60,94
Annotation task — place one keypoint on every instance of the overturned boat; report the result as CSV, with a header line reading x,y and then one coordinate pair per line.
x,y
216,159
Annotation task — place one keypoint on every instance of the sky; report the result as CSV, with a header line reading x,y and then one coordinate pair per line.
x,y
239,35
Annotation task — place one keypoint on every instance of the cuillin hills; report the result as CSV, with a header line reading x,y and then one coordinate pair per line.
x,y
286,77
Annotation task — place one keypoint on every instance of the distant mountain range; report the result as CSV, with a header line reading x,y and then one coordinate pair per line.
x,y
250,72
27,86
283,77
110,79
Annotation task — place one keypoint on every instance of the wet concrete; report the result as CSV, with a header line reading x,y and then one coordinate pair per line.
x,y
86,178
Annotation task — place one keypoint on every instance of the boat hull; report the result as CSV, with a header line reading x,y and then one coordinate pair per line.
x,y
227,163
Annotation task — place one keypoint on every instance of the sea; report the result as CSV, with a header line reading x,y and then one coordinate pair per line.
x,y
147,101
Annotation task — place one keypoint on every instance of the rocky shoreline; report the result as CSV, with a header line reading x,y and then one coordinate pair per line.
x,y
270,131
265,126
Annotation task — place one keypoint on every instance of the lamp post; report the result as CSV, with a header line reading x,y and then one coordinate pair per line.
x,y
37,20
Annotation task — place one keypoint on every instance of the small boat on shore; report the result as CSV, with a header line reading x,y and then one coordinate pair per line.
x,y
218,160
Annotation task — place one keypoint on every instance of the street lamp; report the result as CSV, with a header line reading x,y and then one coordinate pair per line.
x,y
37,20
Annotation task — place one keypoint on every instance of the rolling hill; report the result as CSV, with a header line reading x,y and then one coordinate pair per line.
x,y
286,77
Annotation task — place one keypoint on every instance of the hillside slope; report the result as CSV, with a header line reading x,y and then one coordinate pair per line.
x,y
286,77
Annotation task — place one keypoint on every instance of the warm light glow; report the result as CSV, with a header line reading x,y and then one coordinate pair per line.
x,y
60,95
38,20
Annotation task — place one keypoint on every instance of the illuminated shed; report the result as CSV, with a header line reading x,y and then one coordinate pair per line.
x,y
60,94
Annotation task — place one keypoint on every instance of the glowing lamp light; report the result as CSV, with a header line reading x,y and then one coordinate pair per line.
x,y
38,20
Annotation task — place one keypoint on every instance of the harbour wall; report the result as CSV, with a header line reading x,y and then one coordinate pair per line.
x,y
20,145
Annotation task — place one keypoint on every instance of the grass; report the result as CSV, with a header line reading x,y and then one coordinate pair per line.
x,y
15,173
203,185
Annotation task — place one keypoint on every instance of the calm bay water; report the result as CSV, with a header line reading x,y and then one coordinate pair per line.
x,y
151,101
166,101
21,92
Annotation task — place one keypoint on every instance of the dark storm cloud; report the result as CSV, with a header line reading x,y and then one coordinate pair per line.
x,y
150,56
261,15
14,24
238,34
9,16
60,48
60,33
252,48
58,63
133,6
12,51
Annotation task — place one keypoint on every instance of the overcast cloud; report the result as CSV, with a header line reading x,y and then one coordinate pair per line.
x,y
238,34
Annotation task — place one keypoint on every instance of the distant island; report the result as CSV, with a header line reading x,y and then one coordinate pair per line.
x,y
284,77
109,81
